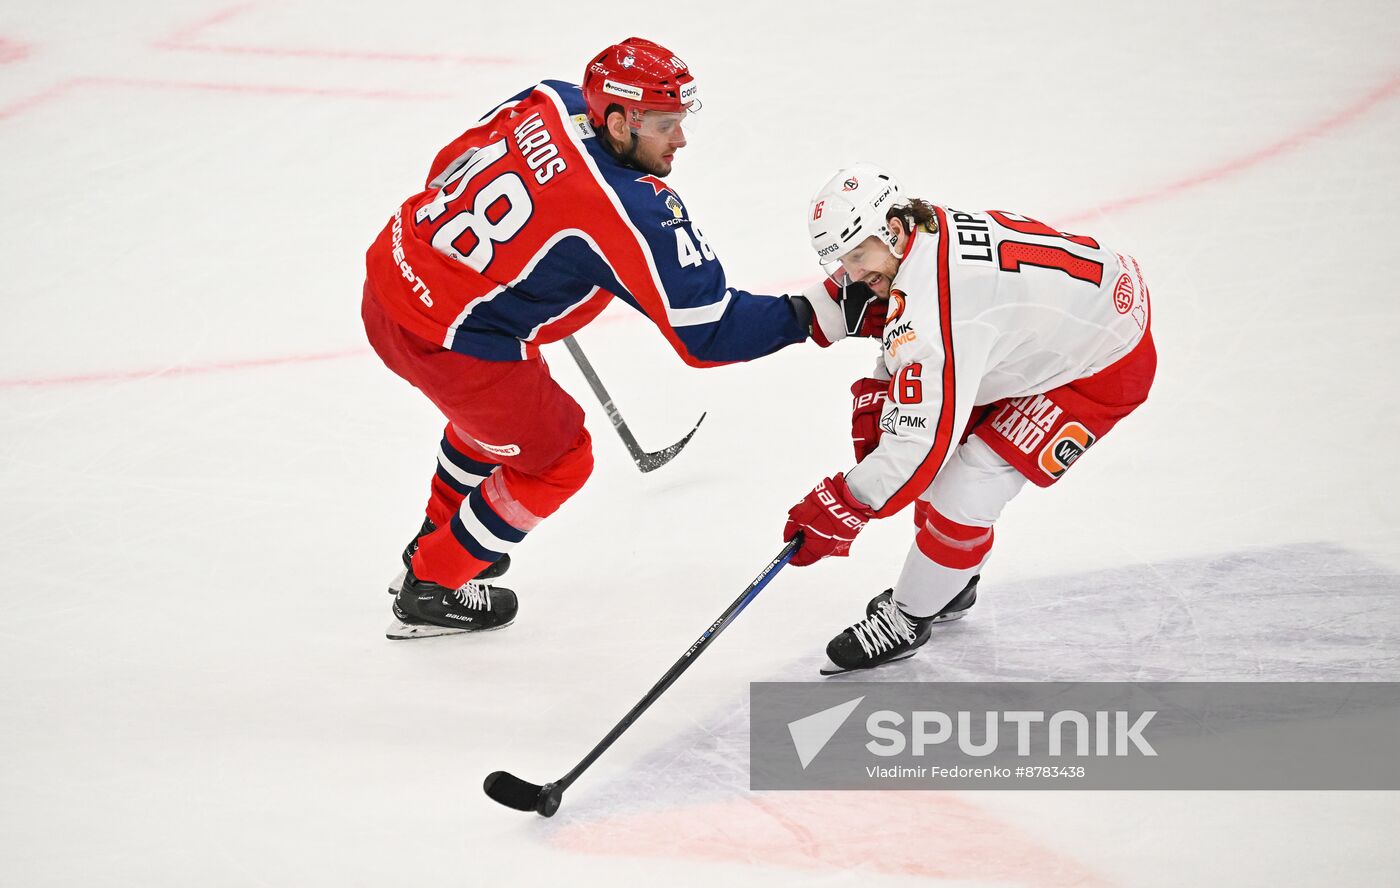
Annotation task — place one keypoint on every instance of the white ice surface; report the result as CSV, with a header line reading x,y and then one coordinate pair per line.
x,y
206,477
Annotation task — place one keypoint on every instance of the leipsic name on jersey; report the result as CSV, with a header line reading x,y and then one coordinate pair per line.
x,y
993,305
528,226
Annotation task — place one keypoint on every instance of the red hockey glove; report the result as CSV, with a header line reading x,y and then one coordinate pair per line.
x,y
835,312
829,518
869,397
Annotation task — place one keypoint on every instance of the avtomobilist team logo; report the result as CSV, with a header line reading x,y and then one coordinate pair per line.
x,y
897,298
850,184
1068,445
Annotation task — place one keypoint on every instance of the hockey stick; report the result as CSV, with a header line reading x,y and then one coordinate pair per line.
x,y
522,795
645,461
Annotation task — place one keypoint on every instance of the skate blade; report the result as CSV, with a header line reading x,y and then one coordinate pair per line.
x,y
400,631
832,669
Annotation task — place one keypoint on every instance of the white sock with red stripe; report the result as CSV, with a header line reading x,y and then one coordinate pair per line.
x,y
954,521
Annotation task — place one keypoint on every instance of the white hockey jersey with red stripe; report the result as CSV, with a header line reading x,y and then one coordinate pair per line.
x,y
992,305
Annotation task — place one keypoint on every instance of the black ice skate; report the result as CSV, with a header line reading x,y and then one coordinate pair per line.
x,y
493,570
953,610
887,635
423,609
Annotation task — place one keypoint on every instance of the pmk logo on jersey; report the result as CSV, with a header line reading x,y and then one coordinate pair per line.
x,y
850,184
1067,446
1123,293
890,419
897,298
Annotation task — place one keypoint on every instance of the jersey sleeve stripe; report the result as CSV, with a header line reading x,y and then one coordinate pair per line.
x,y
943,433
694,317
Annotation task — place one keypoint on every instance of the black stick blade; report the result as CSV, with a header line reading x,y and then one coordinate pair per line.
x,y
511,791
659,458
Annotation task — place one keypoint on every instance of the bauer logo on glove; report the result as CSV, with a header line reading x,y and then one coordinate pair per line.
x,y
829,517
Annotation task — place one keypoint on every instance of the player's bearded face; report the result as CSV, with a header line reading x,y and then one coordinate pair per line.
x,y
659,137
873,264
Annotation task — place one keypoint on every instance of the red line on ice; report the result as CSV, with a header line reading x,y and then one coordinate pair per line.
x,y
183,369
13,51
62,88
1290,142
1216,173
187,39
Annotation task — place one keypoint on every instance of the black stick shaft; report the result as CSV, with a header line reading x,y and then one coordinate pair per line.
x,y
597,385
689,657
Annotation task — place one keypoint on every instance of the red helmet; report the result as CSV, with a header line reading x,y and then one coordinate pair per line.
x,y
640,76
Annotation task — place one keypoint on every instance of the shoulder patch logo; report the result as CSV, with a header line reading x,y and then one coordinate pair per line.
x,y
675,206
897,298
580,122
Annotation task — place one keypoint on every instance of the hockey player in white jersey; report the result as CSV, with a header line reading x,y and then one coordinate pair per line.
x,y
1009,349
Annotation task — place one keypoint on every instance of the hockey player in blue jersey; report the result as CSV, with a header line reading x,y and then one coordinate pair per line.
x,y
528,225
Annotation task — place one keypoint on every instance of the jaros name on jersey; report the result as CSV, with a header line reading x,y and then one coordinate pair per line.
x,y
541,155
